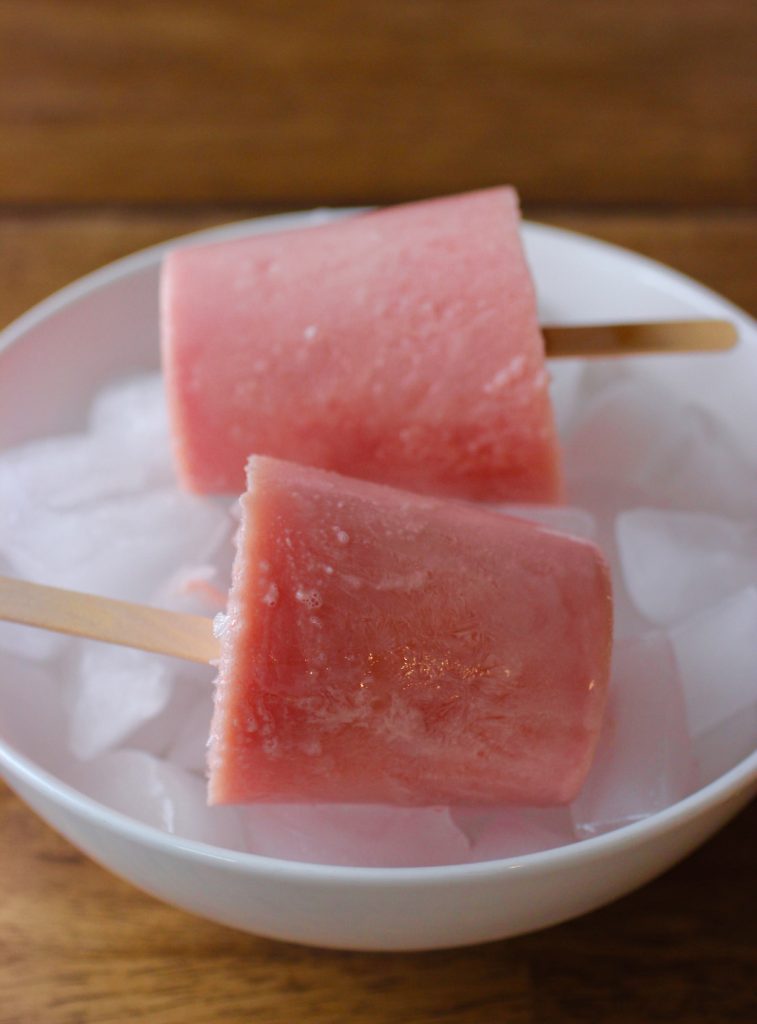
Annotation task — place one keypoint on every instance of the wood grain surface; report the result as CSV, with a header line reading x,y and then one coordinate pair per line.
x,y
341,100
126,123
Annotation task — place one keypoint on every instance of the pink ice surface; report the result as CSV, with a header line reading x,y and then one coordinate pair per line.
x,y
388,647
400,346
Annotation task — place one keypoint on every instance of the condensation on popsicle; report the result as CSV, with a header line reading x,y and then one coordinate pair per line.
x,y
400,346
386,647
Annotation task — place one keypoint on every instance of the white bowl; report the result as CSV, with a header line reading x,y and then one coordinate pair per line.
x,y
52,360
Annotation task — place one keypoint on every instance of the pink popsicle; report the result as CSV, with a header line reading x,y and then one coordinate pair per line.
x,y
387,647
400,346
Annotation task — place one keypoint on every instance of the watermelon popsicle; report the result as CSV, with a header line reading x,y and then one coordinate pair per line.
x,y
388,647
400,346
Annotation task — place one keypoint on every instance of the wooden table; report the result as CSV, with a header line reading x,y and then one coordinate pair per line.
x,y
122,124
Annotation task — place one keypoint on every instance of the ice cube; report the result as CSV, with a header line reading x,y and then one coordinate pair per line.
x,y
706,470
190,682
565,377
62,473
618,431
134,408
722,746
716,651
514,831
606,500
722,385
189,746
124,547
644,759
158,794
355,835
602,374
37,644
31,712
132,415
113,692
30,643
672,455
676,563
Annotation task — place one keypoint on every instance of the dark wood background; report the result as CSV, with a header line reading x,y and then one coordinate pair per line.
x,y
125,123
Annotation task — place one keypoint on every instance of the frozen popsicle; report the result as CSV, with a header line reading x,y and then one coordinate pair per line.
x,y
400,346
388,647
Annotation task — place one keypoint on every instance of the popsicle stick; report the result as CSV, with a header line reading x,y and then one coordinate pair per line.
x,y
641,338
114,622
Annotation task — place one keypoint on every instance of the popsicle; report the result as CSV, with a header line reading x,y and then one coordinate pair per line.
x,y
400,346
388,647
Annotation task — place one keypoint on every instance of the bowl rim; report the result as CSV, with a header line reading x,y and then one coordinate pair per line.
x,y
741,777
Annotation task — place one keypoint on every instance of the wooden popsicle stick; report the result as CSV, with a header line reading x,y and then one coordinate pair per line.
x,y
114,622
641,338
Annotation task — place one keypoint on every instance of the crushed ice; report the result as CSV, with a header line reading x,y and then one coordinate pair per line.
x,y
658,473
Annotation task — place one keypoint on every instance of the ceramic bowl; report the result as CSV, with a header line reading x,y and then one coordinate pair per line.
x,y
105,326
